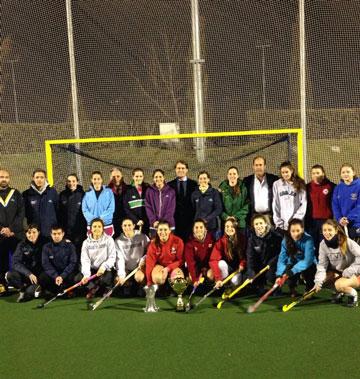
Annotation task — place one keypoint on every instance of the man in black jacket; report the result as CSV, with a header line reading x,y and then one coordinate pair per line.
x,y
59,262
71,217
11,223
184,211
259,187
41,203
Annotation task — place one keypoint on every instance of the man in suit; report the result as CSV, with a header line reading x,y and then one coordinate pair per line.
x,y
184,212
259,187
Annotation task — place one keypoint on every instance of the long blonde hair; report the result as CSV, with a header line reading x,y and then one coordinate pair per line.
x,y
340,234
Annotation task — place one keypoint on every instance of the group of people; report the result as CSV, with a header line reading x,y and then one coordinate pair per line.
x,y
182,228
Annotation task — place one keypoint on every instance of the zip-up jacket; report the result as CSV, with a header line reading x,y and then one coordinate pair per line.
x,y
287,204
102,207
134,204
333,259
160,205
319,200
129,252
59,259
27,257
97,253
12,211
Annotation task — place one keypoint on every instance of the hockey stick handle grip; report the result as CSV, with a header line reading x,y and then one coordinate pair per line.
x,y
78,284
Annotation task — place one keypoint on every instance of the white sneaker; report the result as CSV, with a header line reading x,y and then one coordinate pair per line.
x,y
21,297
37,292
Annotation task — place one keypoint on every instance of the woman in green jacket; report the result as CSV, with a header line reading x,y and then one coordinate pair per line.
x,y
234,196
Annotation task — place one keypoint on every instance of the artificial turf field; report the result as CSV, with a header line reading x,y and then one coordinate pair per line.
x,y
314,340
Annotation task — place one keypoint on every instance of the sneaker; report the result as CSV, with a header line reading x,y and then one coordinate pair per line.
x,y
352,301
337,298
92,292
21,297
37,292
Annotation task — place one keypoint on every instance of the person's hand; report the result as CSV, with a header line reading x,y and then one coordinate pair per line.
x,y
241,268
6,232
140,223
59,280
85,280
33,279
343,221
218,284
281,280
317,288
165,272
100,271
120,280
155,224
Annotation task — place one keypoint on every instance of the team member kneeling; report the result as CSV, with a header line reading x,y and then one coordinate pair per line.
x,y
130,247
59,262
297,257
339,263
197,252
228,254
97,256
164,255
27,264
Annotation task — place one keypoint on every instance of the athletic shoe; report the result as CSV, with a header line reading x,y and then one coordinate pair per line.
x,y
21,297
37,292
92,292
337,298
352,301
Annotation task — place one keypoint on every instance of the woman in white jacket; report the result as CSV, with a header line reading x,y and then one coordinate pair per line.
x,y
130,247
289,197
97,256
339,263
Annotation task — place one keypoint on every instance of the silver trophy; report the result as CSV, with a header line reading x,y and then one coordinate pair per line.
x,y
150,298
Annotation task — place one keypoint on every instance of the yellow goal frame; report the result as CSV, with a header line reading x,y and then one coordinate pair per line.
x,y
49,143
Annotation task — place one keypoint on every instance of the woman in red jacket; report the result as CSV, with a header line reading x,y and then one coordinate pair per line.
x,y
164,255
197,252
228,254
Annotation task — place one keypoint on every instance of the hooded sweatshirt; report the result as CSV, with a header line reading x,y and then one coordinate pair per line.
x,y
346,202
41,207
97,253
333,259
160,204
287,204
129,252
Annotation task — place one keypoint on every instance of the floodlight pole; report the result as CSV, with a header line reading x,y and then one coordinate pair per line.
x,y
198,90
303,82
263,61
74,96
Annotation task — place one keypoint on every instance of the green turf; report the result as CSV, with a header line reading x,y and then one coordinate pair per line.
x,y
314,340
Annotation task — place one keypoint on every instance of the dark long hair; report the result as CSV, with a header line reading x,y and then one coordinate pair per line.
x,y
298,183
234,246
157,238
290,243
236,189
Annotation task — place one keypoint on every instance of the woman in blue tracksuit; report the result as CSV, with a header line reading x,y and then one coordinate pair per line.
x,y
99,202
297,257
346,201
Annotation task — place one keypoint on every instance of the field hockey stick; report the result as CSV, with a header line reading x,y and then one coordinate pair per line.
x,y
239,288
109,293
188,305
254,307
78,284
215,288
305,296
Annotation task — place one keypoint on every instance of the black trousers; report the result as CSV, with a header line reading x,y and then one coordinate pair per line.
x,y
268,277
48,283
106,280
308,275
315,230
7,248
22,283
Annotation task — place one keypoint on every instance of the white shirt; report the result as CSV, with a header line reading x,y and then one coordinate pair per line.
x,y
261,195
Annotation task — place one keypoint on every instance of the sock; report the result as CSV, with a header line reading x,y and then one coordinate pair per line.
x,y
354,294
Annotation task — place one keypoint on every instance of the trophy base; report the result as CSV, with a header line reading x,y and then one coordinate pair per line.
x,y
180,306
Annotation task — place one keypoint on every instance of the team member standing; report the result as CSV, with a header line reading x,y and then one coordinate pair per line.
x,y
346,201
263,248
234,195
41,203
319,193
289,197
26,269
98,256
184,212
197,252
164,256
160,202
59,262
130,252
70,213
228,254
260,188
118,187
296,257
339,263
99,202
134,201
206,201
11,223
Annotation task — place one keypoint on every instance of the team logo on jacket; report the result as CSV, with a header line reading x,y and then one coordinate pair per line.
x,y
195,248
354,196
33,202
50,201
210,245
325,191
211,199
133,197
173,250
